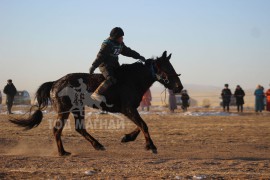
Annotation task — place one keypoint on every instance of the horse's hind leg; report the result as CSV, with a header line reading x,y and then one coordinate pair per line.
x,y
80,128
57,131
131,136
133,115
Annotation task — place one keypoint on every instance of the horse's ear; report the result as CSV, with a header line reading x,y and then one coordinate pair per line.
x,y
169,57
164,55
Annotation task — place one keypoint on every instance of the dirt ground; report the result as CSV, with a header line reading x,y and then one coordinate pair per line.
x,y
189,147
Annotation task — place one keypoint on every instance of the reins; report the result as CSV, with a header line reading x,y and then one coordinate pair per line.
x,y
164,101
159,74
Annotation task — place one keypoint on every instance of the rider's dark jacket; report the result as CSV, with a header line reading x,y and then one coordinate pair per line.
x,y
108,54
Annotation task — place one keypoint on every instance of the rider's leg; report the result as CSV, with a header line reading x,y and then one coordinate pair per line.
x,y
109,81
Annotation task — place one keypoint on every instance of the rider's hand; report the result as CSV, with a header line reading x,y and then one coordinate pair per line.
x,y
91,70
142,59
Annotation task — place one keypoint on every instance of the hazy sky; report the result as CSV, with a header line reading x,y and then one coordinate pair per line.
x,y
212,42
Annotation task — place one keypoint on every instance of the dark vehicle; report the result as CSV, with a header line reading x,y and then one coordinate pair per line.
x,y
232,103
178,99
22,98
192,102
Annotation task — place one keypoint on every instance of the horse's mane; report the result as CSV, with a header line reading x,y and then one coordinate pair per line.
x,y
131,67
132,70
135,66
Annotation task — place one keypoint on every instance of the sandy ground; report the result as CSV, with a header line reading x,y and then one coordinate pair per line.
x,y
234,146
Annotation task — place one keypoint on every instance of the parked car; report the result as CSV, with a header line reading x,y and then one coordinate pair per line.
x,y
192,102
232,103
178,99
22,98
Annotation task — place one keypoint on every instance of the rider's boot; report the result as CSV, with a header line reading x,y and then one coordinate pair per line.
x,y
98,94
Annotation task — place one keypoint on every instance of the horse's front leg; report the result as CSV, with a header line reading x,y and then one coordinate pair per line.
x,y
133,115
131,136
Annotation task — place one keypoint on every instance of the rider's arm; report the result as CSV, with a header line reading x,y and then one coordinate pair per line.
x,y
126,51
103,53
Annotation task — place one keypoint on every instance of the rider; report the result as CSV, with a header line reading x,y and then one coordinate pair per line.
x,y
107,60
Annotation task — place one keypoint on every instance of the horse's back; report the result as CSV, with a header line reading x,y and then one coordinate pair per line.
x,y
76,80
125,74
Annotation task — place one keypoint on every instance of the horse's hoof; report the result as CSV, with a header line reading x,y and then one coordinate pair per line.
x,y
154,151
65,154
128,138
99,147
102,148
124,139
151,147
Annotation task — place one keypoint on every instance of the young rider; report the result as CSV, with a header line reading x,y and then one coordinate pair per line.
x,y
107,60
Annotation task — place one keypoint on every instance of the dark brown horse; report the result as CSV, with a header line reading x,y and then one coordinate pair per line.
x,y
124,97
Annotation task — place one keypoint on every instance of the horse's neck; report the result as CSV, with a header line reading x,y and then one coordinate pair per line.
x,y
146,80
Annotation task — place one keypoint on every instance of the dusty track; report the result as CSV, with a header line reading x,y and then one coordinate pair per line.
x,y
229,147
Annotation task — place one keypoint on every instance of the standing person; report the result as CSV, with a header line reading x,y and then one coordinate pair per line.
x,y
267,94
239,96
226,97
185,100
107,60
259,96
146,100
10,90
172,101
1,101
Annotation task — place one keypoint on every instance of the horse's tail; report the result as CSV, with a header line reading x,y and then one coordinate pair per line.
x,y
43,94
43,98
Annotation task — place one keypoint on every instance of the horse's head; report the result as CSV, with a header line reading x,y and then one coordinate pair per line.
x,y
166,74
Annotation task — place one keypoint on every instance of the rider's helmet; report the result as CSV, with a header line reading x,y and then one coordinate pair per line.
x,y
116,33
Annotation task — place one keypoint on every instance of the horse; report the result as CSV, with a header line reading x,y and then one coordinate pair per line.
x,y
124,97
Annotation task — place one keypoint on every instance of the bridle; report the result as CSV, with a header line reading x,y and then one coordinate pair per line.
x,y
161,75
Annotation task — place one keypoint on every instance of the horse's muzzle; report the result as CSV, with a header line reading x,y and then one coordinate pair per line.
x,y
178,88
